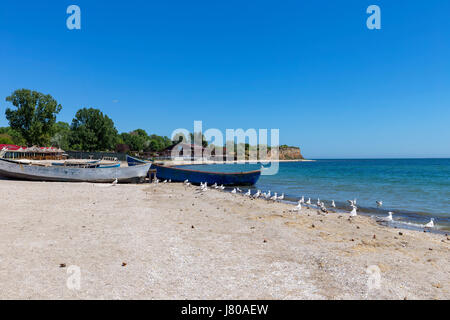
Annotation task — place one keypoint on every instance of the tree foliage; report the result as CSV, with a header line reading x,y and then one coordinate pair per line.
x,y
6,139
139,140
15,136
61,135
91,130
34,116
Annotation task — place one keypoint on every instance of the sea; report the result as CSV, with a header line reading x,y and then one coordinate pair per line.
x,y
415,190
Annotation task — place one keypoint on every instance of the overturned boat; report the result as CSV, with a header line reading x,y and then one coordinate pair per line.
x,y
47,172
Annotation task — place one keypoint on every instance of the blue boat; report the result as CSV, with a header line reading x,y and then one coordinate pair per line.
x,y
177,174
135,161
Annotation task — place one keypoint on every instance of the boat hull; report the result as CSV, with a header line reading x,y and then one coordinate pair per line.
x,y
21,171
196,177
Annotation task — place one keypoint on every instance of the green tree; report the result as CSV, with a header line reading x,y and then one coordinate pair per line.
x,y
159,143
91,130
61,135
34,116
15,136
6,139
137,140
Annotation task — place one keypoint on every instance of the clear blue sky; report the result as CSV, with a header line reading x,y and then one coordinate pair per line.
x,y
310,68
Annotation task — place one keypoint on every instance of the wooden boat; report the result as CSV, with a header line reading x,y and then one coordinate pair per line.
x,y
30,171
87,164
135,161
177,174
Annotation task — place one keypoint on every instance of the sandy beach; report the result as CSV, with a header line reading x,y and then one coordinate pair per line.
x,y
169,241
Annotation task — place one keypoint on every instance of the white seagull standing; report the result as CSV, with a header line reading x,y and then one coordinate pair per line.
x,y
298,207
234,191
268,195
353,212
333,204
430,224
302,200
281,197
257,194
275,197
249,193
309,201
388,218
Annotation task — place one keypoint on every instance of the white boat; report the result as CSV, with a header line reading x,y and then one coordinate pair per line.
x,y
48,172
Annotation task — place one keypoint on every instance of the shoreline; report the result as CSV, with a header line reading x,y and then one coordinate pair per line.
x,y
204,162
169,241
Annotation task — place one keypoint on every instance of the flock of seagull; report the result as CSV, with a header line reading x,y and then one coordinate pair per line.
x,y
275,197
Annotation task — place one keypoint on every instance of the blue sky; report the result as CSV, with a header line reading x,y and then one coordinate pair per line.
x,y
310,68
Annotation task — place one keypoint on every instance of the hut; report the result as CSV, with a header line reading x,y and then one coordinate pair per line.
x,y
9,151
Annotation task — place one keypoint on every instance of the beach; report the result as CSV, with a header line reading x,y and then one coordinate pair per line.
x,y
170,241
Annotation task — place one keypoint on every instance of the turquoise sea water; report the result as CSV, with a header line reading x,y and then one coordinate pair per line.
x,y
414,189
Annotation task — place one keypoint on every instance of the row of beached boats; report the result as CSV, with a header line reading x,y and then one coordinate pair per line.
x,y
101,171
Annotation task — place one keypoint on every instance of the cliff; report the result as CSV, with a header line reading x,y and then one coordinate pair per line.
x,y
286,153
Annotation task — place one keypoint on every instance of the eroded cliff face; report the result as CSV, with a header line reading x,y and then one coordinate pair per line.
x,y
286,153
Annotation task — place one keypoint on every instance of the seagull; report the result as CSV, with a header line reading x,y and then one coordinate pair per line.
x,y
115,182
379,203
274,198
214,185
267,195
165,181
298,207
249,193
170,180
281,197
302,200
333,204
430,224
222,187
186,181
388,218
323,208
234,191
318,202
352,202
238,190
257,194
353,212
309,201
